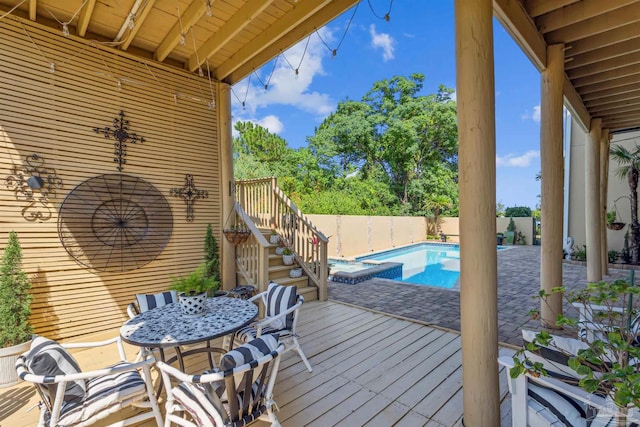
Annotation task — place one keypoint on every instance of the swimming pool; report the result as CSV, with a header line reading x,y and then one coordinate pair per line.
x,y
422,264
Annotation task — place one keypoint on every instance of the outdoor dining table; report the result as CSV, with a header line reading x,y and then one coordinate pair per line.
x,y
167,327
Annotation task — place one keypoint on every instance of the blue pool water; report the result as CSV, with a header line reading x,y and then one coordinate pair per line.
x,y
424,263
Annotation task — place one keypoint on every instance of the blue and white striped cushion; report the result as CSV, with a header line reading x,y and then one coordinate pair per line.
x,y
149,301
103,392
249,352
557,406
250,332
279,299
197,401
48,358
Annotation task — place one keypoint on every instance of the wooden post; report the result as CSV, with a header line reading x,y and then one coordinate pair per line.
x,y
592,209
227,250
604,182
551,159
477,185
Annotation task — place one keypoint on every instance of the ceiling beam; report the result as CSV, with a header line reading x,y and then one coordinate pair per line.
x,y
606,65
540,7
291,23
621,125
32,9
514,18
85,17
612,99
614,85
190,16
601,54
616,109
138,23
618,73
233,26
596,25
577,12
608,38
574,104
608,92
632,116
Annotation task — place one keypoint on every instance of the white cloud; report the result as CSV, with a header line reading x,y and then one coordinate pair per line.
x,y
284,86
271,122
535,115
383,41
522,161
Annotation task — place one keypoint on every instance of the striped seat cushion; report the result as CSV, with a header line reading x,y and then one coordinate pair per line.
x,y
149,301
554,408
279,299
250,332
249,352
48,358
102,393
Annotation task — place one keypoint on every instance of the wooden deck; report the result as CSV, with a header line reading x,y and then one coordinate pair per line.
x,y
369,370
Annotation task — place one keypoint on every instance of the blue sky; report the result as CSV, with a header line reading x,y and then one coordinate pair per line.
x,y
419,37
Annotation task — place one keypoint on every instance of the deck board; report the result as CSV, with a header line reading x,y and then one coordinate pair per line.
x,y
369,370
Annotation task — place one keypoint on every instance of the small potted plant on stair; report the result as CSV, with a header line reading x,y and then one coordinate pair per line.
x,y
192,290
15,308
296,271
274,238
287,256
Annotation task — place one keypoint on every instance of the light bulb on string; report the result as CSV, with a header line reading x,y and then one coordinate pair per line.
x,y
200,72
266,88
334,53
65,29
52,68
183,39
212,105
243,105
131,23
297,72
119,85
387,17
209,10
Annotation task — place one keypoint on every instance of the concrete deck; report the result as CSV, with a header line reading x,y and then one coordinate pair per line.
x,y
518,284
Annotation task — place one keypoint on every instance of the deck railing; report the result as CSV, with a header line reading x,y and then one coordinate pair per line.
x,y
269,208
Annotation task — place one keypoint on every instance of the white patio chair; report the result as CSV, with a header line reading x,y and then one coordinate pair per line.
x,y
146,302
556,400
282,308
218,397
71,397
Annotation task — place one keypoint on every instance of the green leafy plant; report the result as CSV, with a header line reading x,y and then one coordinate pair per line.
x,y
612,256
611,217
579,254
512,225
15,299
603,366
196,282
211,255
522,239
287,251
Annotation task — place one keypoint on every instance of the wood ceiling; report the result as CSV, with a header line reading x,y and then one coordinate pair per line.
x,y
235,37
602,51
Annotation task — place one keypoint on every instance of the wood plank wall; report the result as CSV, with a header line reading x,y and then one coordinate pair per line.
x,y
53,115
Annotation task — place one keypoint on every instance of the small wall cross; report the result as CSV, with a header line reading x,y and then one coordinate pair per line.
x,y
120,133
190,194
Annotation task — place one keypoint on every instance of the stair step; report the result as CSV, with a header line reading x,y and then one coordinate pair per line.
x,y
309,293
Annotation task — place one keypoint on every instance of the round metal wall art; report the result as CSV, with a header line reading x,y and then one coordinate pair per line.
x,y
115,223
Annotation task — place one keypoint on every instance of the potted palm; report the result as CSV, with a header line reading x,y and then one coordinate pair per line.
x,y
15,309
192,290
287,256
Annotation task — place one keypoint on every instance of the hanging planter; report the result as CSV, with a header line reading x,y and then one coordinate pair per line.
x,y
616,226
236,236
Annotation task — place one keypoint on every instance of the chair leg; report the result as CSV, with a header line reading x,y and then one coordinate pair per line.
x,y
153,402
298,350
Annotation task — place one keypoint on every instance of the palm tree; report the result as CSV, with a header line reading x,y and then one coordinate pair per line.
x,y
436,203
629,162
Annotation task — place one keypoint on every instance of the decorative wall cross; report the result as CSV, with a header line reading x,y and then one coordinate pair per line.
x,y
190,194
35,184
120,133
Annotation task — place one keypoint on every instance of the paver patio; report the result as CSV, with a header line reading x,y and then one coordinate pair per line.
x,y
518,283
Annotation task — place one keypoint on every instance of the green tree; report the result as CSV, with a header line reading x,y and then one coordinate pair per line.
x,y
518,211
629,161
15,299
397,135
500,209
211,255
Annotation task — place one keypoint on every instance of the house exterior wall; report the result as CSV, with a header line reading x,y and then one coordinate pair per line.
x,y
618,189
53,115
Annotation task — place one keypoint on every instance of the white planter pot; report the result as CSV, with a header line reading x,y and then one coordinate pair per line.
x,y
287,259
279,250
8,357
296,272
192,305
274,239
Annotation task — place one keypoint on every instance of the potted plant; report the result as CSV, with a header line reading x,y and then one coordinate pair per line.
x,y
280,248
510,234
212,260
15,308
287,256
612,224
192,290
236,234
274,238
602,361
296,271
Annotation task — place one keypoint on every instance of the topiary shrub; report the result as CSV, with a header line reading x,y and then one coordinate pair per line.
x,y
15,299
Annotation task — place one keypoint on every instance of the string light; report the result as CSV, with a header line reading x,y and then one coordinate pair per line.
x,y
65,29
209,10
131,23
386,16
52,68
200,72
183,39
65,25
212,104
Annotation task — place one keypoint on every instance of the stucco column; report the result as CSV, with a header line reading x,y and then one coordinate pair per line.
x,y
551,159
592,209
477,185
604,182
227,250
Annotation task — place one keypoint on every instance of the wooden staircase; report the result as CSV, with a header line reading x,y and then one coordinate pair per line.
x,y
279,273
